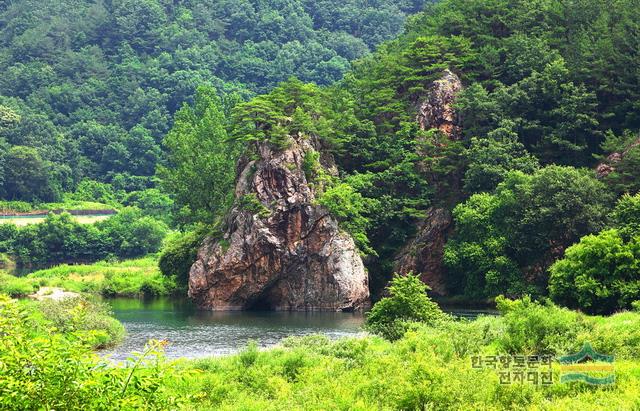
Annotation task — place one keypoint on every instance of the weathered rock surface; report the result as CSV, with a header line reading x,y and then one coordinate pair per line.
x,y
423,255
289,256
609,165
437,111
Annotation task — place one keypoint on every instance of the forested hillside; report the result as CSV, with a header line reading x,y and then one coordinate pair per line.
x,y
89,88
544,156
549,90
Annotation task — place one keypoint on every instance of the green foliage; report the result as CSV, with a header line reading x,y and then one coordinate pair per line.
x,y
490,159
130,234
152,202
407,303
626,216
294,109
350,208
531,327
625,161
200,168
249,202
92,87
26,176
95,191
599,274
179,253
429,367
505,242
130,278
81,314
63,373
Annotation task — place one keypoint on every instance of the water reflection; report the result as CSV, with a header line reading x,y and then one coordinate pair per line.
x,y
192,333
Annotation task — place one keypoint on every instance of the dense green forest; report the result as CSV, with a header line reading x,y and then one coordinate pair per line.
x,y
90,87
100,107
550,89
145,108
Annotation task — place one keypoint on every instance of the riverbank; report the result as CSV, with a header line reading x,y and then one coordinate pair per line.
x,y
431,367
129,278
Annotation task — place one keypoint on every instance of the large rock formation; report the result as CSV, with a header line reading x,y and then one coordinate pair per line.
x,y
280,250
423,255
437,111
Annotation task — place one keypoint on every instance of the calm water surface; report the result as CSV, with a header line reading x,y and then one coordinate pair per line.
x,y
192,333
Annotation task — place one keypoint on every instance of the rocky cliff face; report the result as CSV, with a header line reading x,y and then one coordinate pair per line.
x,y
280,250
423,254
437,111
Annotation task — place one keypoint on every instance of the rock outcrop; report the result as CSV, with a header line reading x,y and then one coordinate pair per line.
x,y
423,255
609,165
280,250
437,111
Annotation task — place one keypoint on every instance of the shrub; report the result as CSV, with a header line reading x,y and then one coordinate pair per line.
x,y
617,335
152,202
600,274
179,253
250,203
407,303
535,328
350,208
81,314
53,370
130,234
16,287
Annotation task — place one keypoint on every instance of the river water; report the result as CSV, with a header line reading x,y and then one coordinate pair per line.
x,y
193,334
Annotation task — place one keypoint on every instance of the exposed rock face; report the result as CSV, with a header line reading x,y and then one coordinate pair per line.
x,y
291,255
437,109
609,165
423,255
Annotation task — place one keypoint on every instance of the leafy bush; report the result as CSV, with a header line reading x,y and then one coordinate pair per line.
x,y
129,234
249,202
626,216
15,286
152,202
505,242
130,278
534,328
46,369
600,274
407,303
82,314
179,253
62,239
350,208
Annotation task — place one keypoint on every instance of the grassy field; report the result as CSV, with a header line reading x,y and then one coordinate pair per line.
x,y
126,278
26,220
